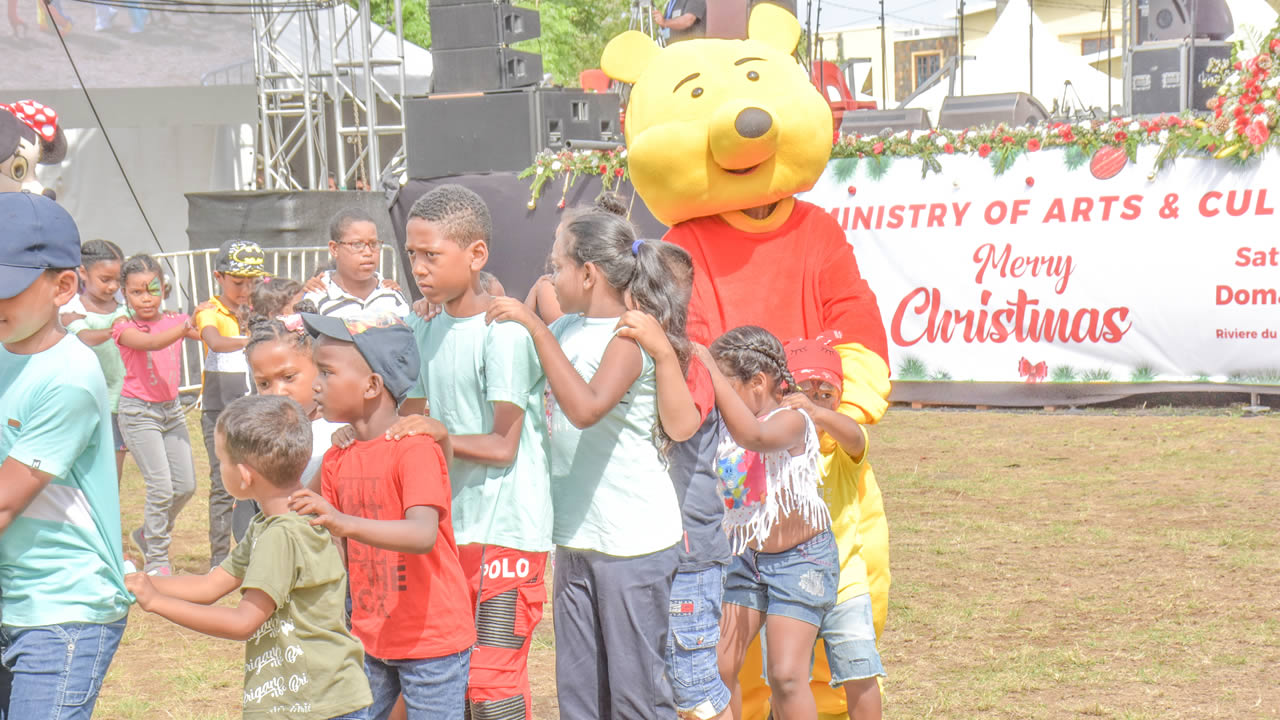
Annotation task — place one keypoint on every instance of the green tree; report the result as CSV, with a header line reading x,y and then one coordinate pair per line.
x,y
574,33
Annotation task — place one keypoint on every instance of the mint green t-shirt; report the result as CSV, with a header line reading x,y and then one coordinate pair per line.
x,y
609,483
60,560
108,352
303,663
467,365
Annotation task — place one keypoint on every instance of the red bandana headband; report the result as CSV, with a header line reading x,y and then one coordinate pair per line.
x,y
40,118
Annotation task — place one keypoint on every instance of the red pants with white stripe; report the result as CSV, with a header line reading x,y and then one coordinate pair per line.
x,y
509,587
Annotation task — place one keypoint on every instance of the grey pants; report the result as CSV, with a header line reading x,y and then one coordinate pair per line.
x,y
611,619
156,434
220,501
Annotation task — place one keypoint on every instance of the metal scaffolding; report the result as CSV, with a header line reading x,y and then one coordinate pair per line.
x,y
326,104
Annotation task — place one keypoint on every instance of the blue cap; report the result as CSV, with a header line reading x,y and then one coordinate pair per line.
x,y
382,339
36,234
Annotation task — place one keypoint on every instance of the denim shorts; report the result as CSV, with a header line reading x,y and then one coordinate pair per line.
x,y
434,688
700,694
850,638
798,583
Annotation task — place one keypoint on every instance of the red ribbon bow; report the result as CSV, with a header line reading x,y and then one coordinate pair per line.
x,y
40,118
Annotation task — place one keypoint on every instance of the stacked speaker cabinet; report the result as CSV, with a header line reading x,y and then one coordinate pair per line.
x,y
502,131
470,46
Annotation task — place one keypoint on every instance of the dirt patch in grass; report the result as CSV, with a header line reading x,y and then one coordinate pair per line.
x,y
1045,566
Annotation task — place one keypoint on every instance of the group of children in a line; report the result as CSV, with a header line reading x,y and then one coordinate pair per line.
x,y
447,449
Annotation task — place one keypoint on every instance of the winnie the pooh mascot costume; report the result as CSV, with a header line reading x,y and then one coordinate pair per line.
x,y
721,134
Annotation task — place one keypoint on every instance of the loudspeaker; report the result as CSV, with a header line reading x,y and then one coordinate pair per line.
x,y
502,131
480,25
1171,20
1159,72
1013,109
875,122
485,68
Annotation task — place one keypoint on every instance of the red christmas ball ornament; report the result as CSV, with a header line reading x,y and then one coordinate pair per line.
x,y
1108,161
853,190
1031,182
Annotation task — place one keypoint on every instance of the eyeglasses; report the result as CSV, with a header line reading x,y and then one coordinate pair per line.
x,y
357,246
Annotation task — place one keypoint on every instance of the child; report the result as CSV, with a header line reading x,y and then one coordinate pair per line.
x,y
63,603
616,521
354,286
299,659
279,353
279,356
276,296
151,418
390,501
486,386
90,315
237,268
847,632
699,692
784,575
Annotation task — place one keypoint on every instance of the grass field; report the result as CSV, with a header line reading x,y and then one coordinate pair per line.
x,y
1097,565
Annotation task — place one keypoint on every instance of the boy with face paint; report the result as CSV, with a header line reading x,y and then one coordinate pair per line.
x,y
238,267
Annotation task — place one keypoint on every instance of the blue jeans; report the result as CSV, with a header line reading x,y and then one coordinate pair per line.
x,y
434,688
691,647
54,672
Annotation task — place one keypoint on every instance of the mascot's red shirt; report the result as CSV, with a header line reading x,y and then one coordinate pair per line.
x,y
769,279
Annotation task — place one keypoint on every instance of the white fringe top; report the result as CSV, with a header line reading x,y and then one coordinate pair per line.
x,y
759,490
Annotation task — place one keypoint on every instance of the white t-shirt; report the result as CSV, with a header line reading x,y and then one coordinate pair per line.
x,y
321,440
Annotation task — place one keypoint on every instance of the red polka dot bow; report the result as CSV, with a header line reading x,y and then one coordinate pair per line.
x,y
40,118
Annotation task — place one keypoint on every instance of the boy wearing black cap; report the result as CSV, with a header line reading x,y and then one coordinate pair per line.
x,y
390,500
238,267
63,602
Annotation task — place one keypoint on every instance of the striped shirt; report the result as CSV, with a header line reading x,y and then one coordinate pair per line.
x,y
335,301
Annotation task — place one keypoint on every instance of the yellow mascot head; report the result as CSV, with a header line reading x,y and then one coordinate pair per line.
x,y
720,125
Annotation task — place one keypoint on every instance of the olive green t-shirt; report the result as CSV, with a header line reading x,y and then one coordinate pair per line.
x,y
302,664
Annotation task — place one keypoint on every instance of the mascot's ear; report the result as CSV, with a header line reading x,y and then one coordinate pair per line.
x,y
774,26
627,55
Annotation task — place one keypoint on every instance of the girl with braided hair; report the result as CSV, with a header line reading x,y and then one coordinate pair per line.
x,y
785,571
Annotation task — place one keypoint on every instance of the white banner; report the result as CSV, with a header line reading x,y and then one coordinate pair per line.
x,y
1048,273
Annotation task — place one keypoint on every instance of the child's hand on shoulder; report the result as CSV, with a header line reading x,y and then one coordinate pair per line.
x,y
390,284
142,588
509,309
701,352
306,502
343,437
426,309
799,401
315,283
206,305
645,330
411,425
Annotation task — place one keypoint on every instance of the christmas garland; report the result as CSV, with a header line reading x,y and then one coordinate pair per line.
x,y
1238,129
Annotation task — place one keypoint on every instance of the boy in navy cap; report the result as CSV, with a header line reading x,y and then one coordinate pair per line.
x,y
63,602
390,500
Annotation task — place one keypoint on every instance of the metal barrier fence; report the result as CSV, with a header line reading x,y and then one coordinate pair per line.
x,y
191,274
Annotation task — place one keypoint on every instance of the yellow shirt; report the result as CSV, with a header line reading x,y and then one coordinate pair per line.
x,y
226,374
842,477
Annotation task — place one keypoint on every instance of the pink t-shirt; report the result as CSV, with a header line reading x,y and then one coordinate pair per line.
x,y
150,376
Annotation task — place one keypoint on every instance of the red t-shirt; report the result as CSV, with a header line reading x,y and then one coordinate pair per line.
x,y
403,606
796,281
704,393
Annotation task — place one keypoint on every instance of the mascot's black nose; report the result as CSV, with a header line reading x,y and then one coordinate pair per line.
x,y
753,122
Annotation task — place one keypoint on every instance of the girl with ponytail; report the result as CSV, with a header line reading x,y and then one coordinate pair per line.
x,y
785,570
617,525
